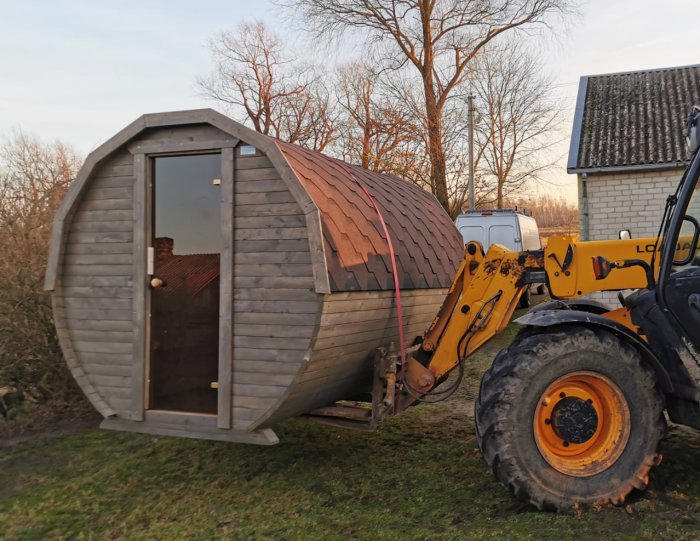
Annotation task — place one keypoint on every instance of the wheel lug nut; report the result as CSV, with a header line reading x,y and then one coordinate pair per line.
x,y
548,421
566,444
562,395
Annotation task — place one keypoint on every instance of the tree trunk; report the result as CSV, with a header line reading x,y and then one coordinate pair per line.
x,y
433,112
499,194
436,152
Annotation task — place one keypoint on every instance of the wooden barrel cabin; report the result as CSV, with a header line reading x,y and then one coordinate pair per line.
x,y
209,281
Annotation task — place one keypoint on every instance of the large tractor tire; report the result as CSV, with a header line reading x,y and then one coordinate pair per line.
x,y
570,417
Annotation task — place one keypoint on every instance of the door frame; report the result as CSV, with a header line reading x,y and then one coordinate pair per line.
x,y
143,216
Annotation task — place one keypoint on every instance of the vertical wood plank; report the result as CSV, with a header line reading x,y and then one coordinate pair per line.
x,y
226,290
140,308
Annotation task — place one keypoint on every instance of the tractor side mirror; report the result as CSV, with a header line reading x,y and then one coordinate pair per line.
x,y
692,127
687,241
625,234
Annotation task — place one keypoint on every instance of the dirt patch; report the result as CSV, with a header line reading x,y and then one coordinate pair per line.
x,y
46,426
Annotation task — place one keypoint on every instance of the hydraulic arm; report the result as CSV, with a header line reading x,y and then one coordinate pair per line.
x,y
487,287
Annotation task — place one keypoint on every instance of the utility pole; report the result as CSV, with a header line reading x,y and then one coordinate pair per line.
x,y
470,124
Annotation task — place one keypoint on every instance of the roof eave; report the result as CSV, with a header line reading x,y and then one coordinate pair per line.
x,y
627,168
575,144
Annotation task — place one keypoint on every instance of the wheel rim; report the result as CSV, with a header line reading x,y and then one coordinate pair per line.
x,y
582,424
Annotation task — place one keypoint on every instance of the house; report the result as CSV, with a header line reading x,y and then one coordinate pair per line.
x,y
628,149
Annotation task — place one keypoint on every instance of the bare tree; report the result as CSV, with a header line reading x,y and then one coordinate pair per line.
x,y
439,38
33,179
376,132
262,83
519,119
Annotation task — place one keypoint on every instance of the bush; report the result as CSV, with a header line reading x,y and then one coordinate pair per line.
x,y
33,180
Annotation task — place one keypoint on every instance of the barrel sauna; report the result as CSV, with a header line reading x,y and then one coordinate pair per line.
x,y
209,281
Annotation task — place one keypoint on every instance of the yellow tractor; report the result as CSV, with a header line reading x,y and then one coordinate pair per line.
x,y
571,413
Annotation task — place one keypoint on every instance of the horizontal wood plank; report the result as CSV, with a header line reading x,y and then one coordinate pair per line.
x,y
98,259
252,162
271,282
273,270
81,302
268,198
97,193
262,391
275,184
103,216
271,233
99,325
102,347
275,331
105,248
274,307
111,359
102,227
88,205
102,336
99,292
91,369
267,209
98,270
256,359
275,245
97,281
80,313
111,381
99,182
260,378
253,222
268,343
275,294
253,318
99,238
244,176
124,170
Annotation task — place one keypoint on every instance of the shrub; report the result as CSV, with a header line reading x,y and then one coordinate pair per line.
x,y
33,180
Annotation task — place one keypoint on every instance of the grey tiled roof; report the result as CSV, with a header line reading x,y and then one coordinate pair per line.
x,y
633,119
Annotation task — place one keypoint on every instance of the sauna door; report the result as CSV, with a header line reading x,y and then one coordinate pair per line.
x,y
184,261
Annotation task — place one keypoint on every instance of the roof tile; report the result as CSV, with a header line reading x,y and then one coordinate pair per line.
x,y
637,118
427,246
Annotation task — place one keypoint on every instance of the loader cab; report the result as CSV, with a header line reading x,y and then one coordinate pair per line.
x,y
669,314
679,276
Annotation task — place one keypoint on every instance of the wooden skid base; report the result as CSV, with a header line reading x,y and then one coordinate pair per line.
x,y
265,436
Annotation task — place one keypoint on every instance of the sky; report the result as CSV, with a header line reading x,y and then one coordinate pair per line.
x,y
81,70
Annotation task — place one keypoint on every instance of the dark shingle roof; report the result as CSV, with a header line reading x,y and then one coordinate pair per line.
x,y
633,119
427,244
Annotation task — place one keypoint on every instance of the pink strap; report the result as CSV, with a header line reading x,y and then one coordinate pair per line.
x,y
397,288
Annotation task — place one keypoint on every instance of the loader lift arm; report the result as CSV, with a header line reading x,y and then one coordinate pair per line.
x,y
487,288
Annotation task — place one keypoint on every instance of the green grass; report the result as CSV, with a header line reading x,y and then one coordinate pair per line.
x,y
419,476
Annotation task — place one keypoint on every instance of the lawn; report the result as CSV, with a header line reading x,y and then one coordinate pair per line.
x,y
419,476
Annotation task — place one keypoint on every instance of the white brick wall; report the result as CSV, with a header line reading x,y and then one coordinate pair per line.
x,y
633,201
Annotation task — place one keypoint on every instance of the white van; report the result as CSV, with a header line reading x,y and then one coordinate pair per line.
x,y
508,227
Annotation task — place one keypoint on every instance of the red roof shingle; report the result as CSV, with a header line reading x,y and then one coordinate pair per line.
x,y
427,245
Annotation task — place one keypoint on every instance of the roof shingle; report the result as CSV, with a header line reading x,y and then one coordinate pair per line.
x,y
427,245
633,119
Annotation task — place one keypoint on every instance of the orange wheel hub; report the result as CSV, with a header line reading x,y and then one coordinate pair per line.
x,y
582,424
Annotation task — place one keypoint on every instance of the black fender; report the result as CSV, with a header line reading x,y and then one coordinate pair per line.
x,y
558,313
